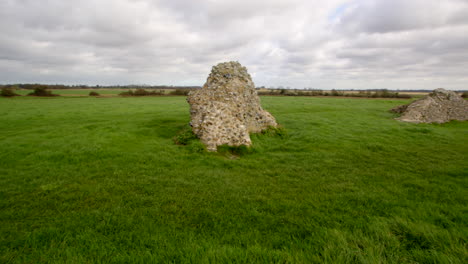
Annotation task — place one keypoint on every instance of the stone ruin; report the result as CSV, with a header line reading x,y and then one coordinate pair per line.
x,y
227,108
440,106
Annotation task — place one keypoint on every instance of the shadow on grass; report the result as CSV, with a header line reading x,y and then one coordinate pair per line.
x,y
186,137
165,128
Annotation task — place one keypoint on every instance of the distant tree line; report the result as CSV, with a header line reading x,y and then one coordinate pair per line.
x,y
380,93
8,90
161,92
353,90
33,86
39,90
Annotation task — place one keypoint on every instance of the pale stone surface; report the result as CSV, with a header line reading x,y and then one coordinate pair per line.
x,y
227,108
440,106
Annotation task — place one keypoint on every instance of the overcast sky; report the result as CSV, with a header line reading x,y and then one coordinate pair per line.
x,y
360,44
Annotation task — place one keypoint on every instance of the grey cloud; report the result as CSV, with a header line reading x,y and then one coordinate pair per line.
x,y
337,44
380,16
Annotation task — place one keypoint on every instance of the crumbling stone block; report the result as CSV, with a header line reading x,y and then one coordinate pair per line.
x,y
440,106
227,108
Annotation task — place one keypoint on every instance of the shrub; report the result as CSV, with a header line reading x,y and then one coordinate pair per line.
x,y
336,93
407,96
93,93
127,93
268,92
316,92
8,92
464,95
141,92
378,94
288,92
42,91
180,92
291,93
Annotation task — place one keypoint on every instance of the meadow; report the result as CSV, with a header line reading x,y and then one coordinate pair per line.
x,y
100,180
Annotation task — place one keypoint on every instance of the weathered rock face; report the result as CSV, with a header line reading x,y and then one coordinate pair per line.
x,y
227,108
440,106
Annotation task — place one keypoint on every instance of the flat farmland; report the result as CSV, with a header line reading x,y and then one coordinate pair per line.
x,y
100,180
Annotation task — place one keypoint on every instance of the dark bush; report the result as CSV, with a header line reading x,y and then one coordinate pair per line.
x,y
180,92
8,92
384,94
288,92
464,95
407,96
291,93
378,94
93,93
316,92
141,92
127,93
269,92
42,91
336,93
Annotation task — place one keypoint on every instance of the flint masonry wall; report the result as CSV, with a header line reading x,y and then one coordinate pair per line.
x,y
227,108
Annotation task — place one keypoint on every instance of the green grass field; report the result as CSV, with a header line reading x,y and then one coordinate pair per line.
x,y
100,180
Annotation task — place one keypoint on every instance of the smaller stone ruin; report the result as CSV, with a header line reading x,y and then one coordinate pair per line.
x,y
227,108
440,106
